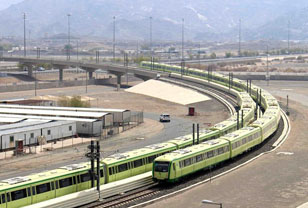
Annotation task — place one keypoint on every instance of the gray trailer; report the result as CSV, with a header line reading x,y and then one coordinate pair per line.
x,y
32,134
119,115
88,127
58,130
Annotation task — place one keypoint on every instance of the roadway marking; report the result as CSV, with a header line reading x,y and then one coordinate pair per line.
x,y
285,153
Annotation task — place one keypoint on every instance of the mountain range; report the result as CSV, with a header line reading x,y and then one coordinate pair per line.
x,y
213,20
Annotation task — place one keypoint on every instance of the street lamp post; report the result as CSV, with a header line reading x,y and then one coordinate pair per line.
x,y
25,51
68,37
211,202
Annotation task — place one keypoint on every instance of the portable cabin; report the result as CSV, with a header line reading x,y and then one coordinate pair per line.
x,y
4,121
88,127
58,130
23,123
113,115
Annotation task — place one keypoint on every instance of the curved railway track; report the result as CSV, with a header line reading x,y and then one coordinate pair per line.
x,y
226,99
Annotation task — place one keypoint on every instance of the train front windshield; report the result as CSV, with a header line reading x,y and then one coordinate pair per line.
x,y
161,167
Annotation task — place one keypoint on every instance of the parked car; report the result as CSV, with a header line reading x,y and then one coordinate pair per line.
x,y
41,69
164,117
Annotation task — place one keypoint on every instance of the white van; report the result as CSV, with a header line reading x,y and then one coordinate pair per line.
x,y
164,117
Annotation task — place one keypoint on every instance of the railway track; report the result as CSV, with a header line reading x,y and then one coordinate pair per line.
x,y
226,99
126,199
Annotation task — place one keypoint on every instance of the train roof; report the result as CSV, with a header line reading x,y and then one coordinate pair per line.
x,y
262,121
182,139
37,177
224,124
239,133
150,149
178,154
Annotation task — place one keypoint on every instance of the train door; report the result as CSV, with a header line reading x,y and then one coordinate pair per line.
x,y
83,181
2,200
43,191
18,198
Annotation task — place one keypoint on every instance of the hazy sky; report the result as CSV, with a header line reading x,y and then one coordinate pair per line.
x,y
6,3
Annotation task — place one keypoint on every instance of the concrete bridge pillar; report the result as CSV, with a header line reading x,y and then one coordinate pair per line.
x,y
61,69
30,70
90,74
119,75
119,82
60,75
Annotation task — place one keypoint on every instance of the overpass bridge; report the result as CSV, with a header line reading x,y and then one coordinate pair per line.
x,y
116,69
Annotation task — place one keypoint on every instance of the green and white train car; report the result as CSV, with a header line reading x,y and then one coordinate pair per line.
x,y
23,191
124,165
175,165
242,140
268,125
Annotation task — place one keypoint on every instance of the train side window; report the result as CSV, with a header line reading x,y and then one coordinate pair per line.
x,y
85,177
173,166
57,184
65,182
122,167
187,162
198,158
151,158
33,190
220,150
43,188
138,163
29,191
52,185
102,172
110,171
78,179
210,154
74,180
19,194
3,198
8,197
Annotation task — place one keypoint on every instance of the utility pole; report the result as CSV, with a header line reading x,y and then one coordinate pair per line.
x,y
114,19
25,50
77,50
182,62
239,37
68,37
183,39
151,36
288,36
267,72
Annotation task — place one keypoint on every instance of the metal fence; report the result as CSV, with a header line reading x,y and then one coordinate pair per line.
x,y
134,120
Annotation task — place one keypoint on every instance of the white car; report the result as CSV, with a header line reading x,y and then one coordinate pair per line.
x,y
164,118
